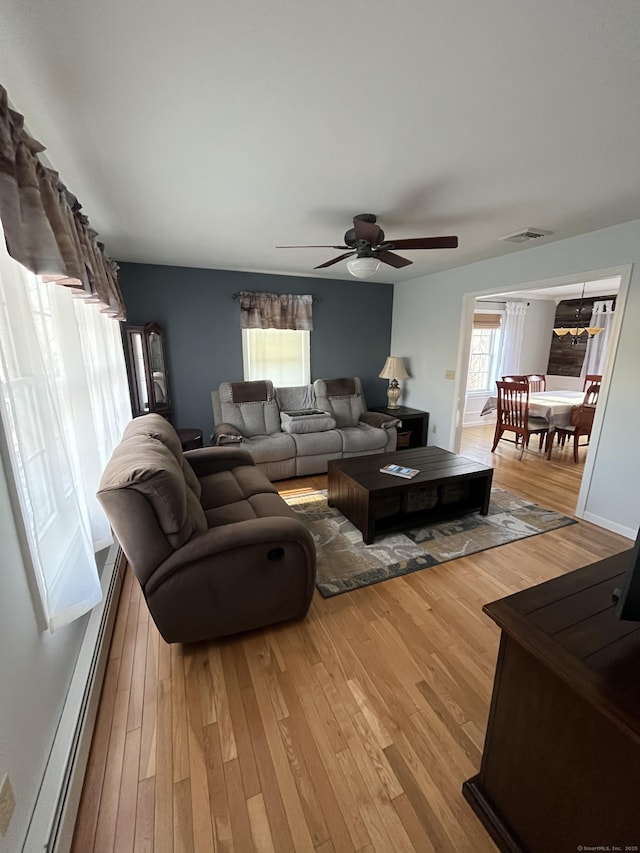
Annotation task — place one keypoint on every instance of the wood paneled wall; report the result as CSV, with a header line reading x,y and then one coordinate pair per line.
x,y
565,359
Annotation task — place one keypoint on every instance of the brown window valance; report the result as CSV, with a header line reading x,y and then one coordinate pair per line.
x,y
43,227
276,311
486,321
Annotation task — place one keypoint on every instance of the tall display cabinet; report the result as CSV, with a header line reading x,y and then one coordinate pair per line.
x,y
148,376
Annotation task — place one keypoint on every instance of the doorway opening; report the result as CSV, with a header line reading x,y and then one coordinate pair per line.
x,y
483,358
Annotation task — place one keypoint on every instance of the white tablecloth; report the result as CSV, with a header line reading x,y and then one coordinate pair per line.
x,y
552,405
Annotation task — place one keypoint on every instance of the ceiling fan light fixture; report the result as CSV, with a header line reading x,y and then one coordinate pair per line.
x,y
363,267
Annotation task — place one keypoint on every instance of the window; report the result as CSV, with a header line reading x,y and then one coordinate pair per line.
x,y
281,355
485,352
63,404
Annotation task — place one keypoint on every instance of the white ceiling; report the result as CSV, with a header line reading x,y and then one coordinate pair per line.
x,y
205,133
559,292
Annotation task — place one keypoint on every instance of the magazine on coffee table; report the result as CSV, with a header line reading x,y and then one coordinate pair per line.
x,y
400,471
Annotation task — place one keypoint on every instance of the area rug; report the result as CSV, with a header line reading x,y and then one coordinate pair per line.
x,y
346,563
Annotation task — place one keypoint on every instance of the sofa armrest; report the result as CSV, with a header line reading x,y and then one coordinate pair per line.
x,y
211,460
225,434
378,419
231,540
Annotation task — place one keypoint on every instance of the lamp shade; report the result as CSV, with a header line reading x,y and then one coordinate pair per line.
x,y
592,331
394,368
363,267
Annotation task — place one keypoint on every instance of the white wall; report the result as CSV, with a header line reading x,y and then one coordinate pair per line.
x,y
426,328
35,671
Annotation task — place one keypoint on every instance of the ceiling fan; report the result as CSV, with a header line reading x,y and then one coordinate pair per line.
x,y
368,247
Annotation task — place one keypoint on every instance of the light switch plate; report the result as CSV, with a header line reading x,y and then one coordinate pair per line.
x,y
449,374
7,804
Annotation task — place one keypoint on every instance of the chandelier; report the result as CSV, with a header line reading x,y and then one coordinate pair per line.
x,y
579,329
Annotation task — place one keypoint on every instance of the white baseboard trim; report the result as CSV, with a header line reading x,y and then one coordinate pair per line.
x,y
479,421
53,819
610,525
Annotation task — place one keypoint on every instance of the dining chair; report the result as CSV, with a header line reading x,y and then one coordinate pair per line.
x,y
515,378
513,416
590,379
580,423
591,394
537,382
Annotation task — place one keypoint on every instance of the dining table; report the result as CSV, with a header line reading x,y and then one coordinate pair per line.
x,y
554,406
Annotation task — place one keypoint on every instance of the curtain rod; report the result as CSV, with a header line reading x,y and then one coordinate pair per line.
x,y
496,302
313,298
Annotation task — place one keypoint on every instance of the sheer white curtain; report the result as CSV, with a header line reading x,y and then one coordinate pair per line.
x,y
512,333
64,404
602,317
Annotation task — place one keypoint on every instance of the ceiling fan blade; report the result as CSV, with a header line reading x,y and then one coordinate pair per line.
x,y
334,260
367,231
393,260
426,243
312,247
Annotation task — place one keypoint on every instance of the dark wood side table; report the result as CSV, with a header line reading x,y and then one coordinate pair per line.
x,y
561,762
190,439
415,422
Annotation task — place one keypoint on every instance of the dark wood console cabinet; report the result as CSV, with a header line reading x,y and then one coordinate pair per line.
x,y
561,762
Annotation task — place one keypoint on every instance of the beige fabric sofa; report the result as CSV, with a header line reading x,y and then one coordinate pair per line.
x,y
213,545
257,416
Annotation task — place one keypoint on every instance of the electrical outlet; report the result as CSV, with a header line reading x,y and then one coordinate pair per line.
x,y
449,374
7,804
434,428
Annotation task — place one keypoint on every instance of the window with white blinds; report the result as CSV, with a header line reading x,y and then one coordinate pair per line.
x,y
484,357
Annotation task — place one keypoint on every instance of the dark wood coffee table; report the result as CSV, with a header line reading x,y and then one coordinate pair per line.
x,y
447,485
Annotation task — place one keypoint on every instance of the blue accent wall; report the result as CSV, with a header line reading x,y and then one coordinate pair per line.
x,y
351,335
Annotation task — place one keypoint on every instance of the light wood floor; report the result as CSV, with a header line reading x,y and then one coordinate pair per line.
x,y
351,730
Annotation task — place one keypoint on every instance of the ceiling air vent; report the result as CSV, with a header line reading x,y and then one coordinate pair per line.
x,y
525,234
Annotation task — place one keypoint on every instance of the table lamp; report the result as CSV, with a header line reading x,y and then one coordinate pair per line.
x,y
393,370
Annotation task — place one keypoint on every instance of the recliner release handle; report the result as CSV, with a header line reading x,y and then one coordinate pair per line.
x,y
275,554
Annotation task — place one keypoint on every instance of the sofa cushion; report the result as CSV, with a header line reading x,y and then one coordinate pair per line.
x,y
347,410
233,485
230,513
270,448
155,426
295,397
345,406
362,439
314,444
297,424
262,505
250,407
146,465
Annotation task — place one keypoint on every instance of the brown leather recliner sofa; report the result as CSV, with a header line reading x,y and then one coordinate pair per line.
x,y
215,548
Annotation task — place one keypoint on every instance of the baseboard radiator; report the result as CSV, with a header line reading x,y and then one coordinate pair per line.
x,y
53,819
